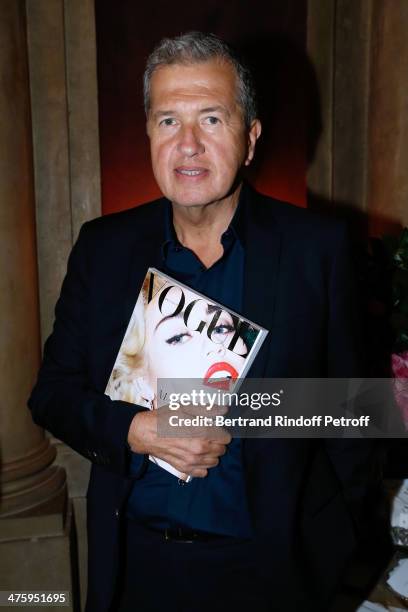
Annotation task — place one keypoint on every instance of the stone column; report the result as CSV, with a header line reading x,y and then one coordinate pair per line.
x,y
83,124
359,49
351,87
49,111
339,45
388,126
320,44
64,108
29,485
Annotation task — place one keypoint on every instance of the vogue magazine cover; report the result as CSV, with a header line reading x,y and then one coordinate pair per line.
x,y
177,333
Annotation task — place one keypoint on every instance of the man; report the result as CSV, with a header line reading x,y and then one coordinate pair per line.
x,y
264,523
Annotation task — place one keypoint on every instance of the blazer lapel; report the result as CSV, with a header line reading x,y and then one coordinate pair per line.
x,y
146,253
262,259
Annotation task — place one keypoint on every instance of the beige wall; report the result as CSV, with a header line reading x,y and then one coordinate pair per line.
x,y
360,51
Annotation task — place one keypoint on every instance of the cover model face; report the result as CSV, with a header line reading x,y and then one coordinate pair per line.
x,y
198,138
170,341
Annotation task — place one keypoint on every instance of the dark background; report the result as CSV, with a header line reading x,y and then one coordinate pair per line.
x,y
272,35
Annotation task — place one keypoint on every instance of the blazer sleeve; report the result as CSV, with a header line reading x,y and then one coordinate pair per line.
x,y
62,400
356,461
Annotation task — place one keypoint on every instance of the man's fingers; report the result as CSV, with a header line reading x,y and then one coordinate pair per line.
x,y
208,461
192,410
192,467
196,449
219,435
199,473
193,455
201,447
218,449
185,460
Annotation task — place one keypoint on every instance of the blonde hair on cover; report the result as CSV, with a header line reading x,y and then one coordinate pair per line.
x,y
127,382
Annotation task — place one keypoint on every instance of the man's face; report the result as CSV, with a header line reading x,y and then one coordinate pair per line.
x,y
198,137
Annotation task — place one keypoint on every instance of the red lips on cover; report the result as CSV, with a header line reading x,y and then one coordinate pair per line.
x,y
220,383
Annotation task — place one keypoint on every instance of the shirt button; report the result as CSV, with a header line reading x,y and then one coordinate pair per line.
x,y
117,513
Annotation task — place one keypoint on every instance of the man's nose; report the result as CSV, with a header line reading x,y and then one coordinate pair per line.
x,y
190,143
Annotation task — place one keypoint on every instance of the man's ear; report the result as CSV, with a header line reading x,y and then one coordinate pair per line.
x,y
254,133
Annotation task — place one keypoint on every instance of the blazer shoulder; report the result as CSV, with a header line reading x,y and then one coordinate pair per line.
x,y
143,213
124,227
300,222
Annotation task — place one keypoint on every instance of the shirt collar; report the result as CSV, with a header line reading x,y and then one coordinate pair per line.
x,y
236,227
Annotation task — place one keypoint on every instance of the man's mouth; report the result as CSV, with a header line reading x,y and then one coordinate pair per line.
x,y
220,375
191,172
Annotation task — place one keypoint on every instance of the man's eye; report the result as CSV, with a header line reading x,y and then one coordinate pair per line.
x,y
211,120
167,121
178,339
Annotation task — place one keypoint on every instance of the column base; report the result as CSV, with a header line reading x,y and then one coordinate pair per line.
x,y
37,494
36,554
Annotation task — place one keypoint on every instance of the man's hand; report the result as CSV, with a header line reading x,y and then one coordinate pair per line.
x,y
192,455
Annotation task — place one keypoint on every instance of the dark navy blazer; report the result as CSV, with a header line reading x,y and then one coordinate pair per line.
x,y
305,496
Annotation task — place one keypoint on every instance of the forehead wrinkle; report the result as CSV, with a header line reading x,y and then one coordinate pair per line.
x,y
179,97
179,89
226,76
173,104
176,112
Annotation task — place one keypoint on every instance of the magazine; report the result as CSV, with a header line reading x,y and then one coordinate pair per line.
x,y
177,333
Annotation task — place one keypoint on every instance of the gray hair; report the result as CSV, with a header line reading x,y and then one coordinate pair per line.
x,y
197,47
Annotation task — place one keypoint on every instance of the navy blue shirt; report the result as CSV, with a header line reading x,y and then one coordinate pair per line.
x,y
217,503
